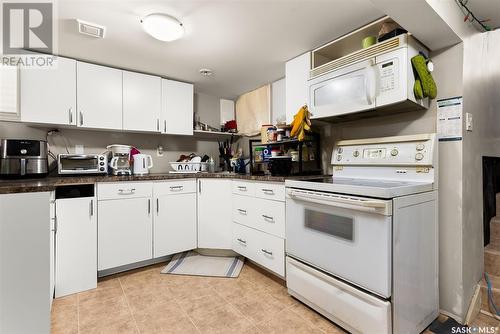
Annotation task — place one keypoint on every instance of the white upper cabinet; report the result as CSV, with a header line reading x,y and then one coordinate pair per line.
x,y
99,91
49,95
296,90
141,102
9,82
177,107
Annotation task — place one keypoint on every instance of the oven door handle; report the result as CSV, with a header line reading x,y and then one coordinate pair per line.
x,y
375,206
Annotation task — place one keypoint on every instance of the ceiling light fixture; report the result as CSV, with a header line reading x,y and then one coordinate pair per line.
x,y
163,27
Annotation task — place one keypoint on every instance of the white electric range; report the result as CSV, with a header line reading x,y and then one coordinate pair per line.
x,y
362,245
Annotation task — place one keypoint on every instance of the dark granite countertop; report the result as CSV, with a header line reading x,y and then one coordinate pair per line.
x,y
8,186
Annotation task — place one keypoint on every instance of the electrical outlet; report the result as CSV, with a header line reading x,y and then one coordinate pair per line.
x,y
79,149
159,151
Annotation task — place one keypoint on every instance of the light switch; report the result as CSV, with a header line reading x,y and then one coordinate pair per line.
x,y
468,121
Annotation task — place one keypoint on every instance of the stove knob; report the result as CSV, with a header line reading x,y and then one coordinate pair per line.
x,y
340,150
101,169
101,158
420,147
394,152
339,157
355,153
419,156
101,163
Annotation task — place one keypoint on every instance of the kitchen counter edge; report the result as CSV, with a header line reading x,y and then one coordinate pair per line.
x,y
8,186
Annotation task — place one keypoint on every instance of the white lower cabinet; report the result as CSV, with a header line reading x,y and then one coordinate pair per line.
x,y
125,233
174,227
52,248
258,231
214,213
76,241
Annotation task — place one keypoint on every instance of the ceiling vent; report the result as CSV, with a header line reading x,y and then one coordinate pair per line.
x,y
91,29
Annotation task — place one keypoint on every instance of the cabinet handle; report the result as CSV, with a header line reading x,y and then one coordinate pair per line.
x,y
70,113
157,124
55,225
242,241
199,186
91,207
268,191
268,218
265,251
81,118
176,188
244,212
149,206
242,188
165,126
128,192
157,206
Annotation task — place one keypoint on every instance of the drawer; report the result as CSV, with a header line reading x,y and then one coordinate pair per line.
x,y
172,187
269,216
120,190
265,249
246,188
240,240
356,311
243,210
268,190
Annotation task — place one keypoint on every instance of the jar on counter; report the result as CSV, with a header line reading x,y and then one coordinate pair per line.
x,y
271,134
280,134
258,154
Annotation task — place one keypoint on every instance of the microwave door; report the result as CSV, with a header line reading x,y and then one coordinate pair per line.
x,y
344,91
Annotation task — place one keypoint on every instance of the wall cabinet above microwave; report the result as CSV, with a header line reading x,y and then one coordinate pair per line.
x,y
379,80
84,95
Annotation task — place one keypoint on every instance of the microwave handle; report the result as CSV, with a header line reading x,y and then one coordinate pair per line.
x,y
371,82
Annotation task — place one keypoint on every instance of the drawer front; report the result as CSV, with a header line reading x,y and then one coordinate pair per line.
x,y
269,217
265,249
246,188
172,187
123,190
243,208
268,190
240,240
356,311
270,252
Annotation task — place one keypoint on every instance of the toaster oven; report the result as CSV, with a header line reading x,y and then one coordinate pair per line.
x,y
82,164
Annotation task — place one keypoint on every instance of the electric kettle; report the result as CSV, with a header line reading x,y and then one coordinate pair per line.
x,y
142,164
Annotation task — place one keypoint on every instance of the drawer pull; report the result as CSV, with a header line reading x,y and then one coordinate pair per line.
x,y
268,191
243,212
126,192
268,218
242,241
265,251
176,188
242,188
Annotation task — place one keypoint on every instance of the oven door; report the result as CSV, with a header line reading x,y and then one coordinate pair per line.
x,y
347,236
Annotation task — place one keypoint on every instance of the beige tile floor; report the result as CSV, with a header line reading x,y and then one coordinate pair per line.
x,y
145,301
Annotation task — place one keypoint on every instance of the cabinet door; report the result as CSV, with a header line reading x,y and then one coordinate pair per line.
x,y
141,102
49,95
296,90
174,224
177,107
99,93
76,245
9,86
125,232
214,213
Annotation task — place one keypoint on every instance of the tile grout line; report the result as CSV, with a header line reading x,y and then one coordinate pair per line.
x,y
78,313
128,305
185,313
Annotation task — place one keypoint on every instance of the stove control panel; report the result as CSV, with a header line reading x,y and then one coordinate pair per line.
x,y
417,150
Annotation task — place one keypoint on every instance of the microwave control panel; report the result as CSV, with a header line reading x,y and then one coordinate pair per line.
x,y
388,75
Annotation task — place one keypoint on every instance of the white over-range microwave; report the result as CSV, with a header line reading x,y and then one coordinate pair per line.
x,y
377,78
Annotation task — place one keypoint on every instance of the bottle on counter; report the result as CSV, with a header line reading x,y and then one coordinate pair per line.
x,y
211,165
